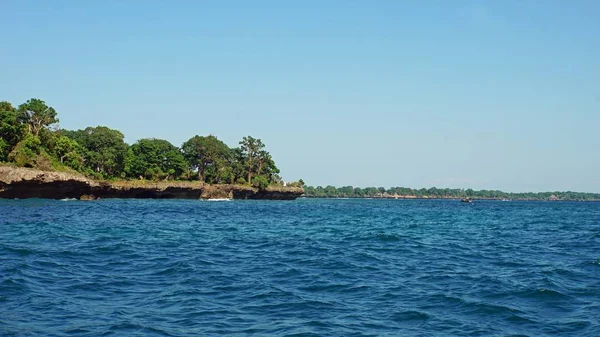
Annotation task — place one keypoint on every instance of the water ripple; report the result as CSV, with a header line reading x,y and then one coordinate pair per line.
x,y
304,268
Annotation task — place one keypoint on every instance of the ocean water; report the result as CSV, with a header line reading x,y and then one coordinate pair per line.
x,y
299,268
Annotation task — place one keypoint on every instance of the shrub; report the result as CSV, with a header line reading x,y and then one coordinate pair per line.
x,y
4,147
26,151
261,182
43,162
227,175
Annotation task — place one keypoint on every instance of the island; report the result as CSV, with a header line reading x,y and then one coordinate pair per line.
x,y
40,160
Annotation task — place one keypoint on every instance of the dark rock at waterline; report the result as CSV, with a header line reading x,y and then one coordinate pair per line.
x,y
88,197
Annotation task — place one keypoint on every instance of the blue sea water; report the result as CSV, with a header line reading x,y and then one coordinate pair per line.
x,y
300,268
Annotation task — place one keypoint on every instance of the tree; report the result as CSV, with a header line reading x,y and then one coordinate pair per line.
x,y
6,106
310,191
238,166
252,149
11,129
104,149
227,175
68,152
257,161
469,192
370,191
37,115
267,167
209,157
156,158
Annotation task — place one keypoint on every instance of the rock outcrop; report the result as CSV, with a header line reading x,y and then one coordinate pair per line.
x,y
30,183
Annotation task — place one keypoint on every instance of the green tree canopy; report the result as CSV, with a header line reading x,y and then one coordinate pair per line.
x,y
251,150
68,152
37,115
260,182
267,168
156,158
27,138
209,157
11,129
104,149
257,161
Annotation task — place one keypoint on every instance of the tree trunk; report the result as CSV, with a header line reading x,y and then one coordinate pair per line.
x,y
36,127
201,173
250,167
260,164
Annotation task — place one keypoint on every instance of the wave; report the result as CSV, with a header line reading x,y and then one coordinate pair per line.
x,y
410,315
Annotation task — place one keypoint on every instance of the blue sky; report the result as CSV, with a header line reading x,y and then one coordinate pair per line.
x,y
481,94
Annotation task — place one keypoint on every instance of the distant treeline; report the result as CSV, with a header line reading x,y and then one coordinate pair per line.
x,y
29,137
403,192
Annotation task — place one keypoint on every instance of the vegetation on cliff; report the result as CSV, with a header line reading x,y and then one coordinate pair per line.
x,y
405,192
30,137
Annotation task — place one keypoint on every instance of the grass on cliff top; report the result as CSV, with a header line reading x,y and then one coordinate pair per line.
x,y
145,183
58,167
50,167
194,184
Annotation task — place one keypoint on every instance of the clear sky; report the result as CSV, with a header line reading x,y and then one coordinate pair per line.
x,y
481,94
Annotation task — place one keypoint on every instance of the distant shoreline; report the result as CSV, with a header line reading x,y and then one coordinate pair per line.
x,y
442,193
442,198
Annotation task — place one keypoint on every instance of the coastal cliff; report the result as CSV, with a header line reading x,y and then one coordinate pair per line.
x,y
31,183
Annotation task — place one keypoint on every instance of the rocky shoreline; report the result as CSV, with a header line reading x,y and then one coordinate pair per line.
x,y
22,183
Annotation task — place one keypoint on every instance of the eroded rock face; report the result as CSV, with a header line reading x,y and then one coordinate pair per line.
x,y
24,183
30,183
